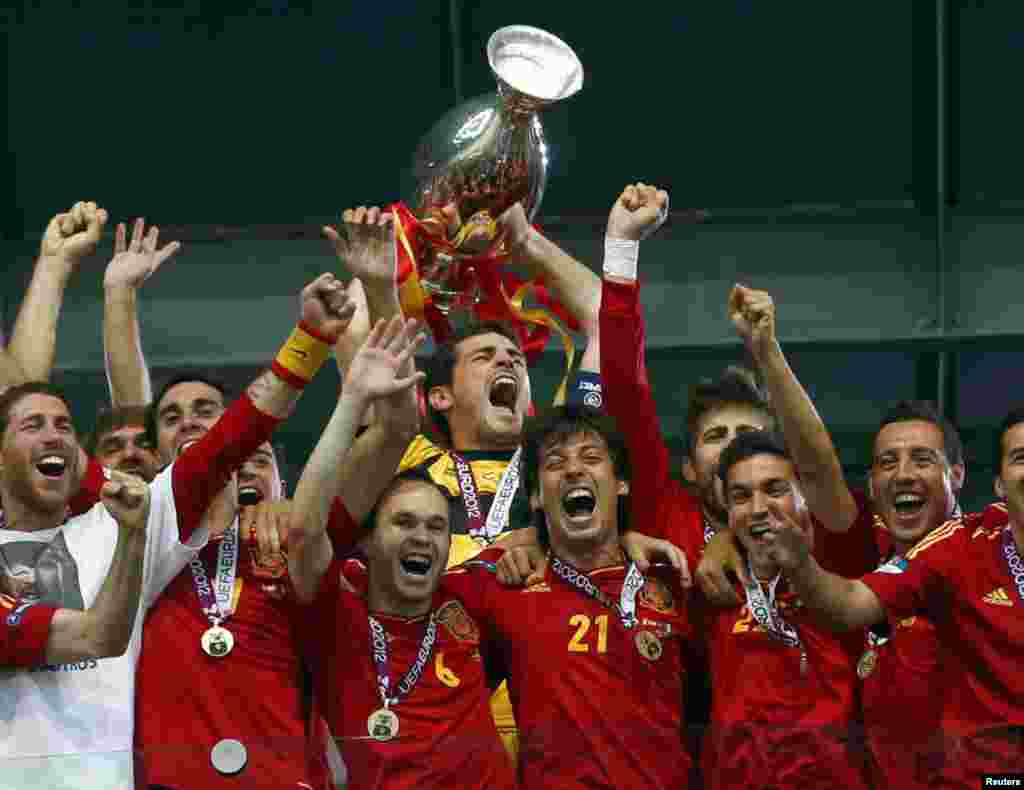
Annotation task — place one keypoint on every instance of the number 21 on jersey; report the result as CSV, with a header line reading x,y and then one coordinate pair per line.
x,y
583,639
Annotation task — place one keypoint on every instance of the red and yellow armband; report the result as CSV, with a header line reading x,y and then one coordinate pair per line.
x,y
302,355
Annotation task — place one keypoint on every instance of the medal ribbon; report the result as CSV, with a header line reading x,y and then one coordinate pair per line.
x,y
379,653
215,599
1013,561
625,608
497,517
763,610
878,634
709,529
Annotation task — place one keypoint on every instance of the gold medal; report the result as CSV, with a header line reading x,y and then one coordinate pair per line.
x,y
217,642
382,724
648,645
867,663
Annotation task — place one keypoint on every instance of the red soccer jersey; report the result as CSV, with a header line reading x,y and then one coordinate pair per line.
x,y
774,724
597,705
187,701
446,736
903,686
959,576
26,629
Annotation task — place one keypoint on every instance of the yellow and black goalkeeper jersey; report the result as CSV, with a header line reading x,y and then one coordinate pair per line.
x,y
487,467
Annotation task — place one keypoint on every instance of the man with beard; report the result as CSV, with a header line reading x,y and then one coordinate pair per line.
x,y
36,633
85,714
120,442
969,580
783,687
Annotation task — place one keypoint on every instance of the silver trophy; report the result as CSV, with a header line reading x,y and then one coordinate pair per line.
x,y
486,155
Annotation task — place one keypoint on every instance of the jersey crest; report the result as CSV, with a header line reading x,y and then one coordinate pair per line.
x,y
457,622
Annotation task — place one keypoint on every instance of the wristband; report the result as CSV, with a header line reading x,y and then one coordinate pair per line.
x,y
586,391
620,257
301,356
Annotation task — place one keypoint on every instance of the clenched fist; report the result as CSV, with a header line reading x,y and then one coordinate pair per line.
x,y
640,210
126,498
753,314
326,306
74,235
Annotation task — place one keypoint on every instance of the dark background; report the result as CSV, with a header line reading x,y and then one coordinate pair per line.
x,y
861,161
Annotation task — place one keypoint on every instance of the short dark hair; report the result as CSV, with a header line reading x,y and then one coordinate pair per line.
x,y
747,445
558,425
925,411
736,386
415,474
1013,418
174,381
12,396
114,419
440,365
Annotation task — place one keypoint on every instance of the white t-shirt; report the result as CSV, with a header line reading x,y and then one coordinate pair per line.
x,y
71,725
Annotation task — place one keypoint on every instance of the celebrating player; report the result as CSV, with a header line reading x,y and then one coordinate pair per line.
x,y
969,581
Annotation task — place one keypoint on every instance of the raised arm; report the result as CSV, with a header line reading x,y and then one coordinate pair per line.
x,y
105,628
68,239
133,263
821,475
380,370
202,471
572,283
639,211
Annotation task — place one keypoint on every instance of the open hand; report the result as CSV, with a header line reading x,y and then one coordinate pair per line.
x,y
364,243
136,262
375,369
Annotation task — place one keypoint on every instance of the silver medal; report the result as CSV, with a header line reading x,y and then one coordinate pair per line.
x,y
228,756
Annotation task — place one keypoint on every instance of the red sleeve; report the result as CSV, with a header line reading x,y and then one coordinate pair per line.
x,y
315,622
852,553
628,398
681,523
342,529
26,632
202,471
89,489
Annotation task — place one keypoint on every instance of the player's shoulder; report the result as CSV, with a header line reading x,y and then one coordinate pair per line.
x,y
952,536
420,450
